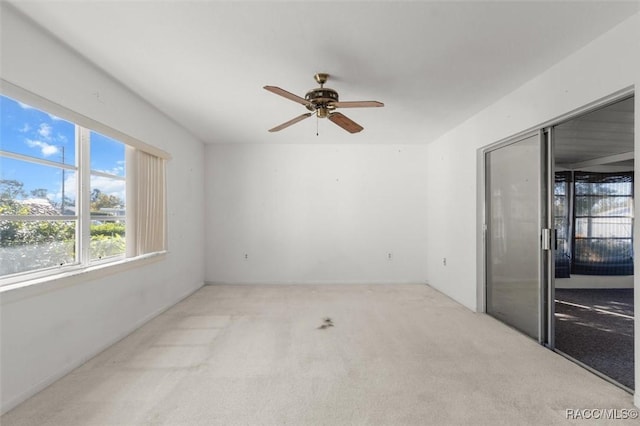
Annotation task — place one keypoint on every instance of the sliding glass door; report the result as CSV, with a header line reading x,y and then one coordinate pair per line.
x,y
514,218
593,285
559,231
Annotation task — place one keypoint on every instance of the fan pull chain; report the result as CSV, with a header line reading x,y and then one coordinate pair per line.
x,y
317,126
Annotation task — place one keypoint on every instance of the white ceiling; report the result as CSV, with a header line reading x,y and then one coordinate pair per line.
x,y
433,64
604,136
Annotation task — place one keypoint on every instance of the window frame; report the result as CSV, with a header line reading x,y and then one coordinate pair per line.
x,y
40,218
581,267
84,126
572,216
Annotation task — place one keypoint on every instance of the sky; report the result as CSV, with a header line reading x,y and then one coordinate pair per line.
x,y
28,131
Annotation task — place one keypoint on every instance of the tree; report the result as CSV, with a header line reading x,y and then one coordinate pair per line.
x,y
100,200
11,189
39,193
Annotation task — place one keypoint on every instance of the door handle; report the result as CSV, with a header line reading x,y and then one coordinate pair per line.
x,y
545,239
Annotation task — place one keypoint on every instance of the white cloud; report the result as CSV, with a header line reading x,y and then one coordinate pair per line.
x,y
25,106
109,186
25,128
46,149
105,185
48,143
117,171
51,116
70,187
45,131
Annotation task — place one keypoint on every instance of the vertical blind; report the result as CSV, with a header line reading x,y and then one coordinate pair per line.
x,y
149,196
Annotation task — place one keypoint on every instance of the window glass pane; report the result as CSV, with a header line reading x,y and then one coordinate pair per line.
x,y
604,227
603,251
107,196
30,245
559,188
563,246
107,238
560,207
561,229
107,155
30,131
35,189
561,224
603,223
604,188
604,206
583,206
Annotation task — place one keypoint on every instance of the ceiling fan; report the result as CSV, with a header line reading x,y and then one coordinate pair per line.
x,y
323,102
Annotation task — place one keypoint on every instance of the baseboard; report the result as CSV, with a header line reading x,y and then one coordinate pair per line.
x,y
595,282
17,400
303,283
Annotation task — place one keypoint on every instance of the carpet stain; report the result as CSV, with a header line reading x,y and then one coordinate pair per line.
x,y
328,322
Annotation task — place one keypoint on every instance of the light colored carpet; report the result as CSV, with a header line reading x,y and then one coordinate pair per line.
x,y
256,355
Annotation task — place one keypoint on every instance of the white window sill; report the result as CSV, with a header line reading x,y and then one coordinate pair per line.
x,y
63,279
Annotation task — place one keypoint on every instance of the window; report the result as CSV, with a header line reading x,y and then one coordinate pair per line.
x,y
107,205
594,223
63,195
603,234
561,214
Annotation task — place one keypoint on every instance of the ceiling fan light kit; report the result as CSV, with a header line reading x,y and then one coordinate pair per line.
x,y
322,102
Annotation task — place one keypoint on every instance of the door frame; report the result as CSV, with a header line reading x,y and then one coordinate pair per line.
x,y
545,128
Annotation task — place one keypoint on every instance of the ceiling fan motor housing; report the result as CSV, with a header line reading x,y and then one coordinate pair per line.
x,y
321,99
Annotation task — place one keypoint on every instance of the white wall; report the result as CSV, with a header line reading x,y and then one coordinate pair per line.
x,y
605,66
608,64
316,213
49,329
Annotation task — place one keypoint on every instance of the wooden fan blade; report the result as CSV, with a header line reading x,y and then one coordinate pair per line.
x,y
288,95
345,122
358,104
290,122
